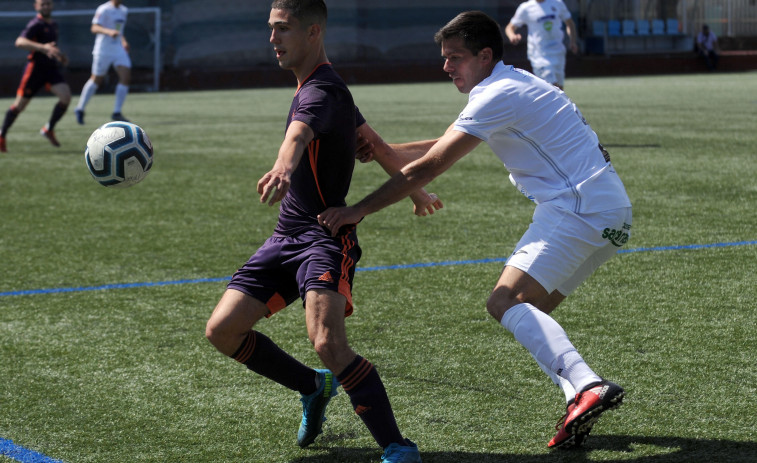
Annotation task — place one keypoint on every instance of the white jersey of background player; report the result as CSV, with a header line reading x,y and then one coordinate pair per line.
x,y
545,47
111,49
110,16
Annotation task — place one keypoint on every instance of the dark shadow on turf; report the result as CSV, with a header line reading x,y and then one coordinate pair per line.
x,y
666,450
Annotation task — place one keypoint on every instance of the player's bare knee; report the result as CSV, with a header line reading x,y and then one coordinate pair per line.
x,y
500,301
328,350
495,308
214,334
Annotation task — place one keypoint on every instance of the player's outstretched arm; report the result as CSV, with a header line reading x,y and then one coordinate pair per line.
x,y
448,150
273,186
50,49
392,158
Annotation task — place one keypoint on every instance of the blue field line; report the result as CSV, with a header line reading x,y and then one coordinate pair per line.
x,y
448,263
14,452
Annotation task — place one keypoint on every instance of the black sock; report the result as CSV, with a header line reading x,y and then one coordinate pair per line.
x,y
264,357
58,111
10,118
362,383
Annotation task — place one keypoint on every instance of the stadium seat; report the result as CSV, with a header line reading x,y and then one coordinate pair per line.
x,y
598,28
658,27
672,26
613,28
629,27
642,27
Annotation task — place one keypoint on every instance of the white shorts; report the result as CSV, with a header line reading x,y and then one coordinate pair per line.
x,y
561,249
102,62
554,72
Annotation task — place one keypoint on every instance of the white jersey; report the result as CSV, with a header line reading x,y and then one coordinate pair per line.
x,y
545,36
543,140
112,17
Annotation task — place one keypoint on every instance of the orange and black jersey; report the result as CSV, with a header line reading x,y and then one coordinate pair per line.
x,y
41,31
323,176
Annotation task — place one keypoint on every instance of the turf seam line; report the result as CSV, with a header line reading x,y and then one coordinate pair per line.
x,y
30,292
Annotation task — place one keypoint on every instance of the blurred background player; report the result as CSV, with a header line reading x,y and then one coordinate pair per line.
x,y
42,70
545,47
707,47
582,215
111,49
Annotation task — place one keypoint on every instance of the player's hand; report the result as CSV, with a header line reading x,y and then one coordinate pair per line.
x,y
273,186
425,203
515,39
364,149
334,218
52,51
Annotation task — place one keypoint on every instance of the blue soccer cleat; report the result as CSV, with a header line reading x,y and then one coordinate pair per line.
x,y
397,453
314,408
79,116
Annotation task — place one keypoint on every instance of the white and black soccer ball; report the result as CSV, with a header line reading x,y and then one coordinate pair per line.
x,y
119,154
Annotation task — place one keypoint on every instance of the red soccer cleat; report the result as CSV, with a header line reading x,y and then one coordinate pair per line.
x,y
563,439
3,149
583,413
50,135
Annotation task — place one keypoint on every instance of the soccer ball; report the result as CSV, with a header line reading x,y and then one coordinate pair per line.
x,y
119,154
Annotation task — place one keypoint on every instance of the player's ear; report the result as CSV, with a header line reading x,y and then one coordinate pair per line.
x,y
486,55
315,31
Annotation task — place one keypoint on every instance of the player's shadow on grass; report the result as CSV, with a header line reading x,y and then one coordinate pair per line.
x,y
626,449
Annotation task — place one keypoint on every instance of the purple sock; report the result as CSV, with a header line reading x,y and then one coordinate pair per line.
x,y
362,383
265,358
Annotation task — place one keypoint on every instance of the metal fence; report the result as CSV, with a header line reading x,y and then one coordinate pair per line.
x,y
726,18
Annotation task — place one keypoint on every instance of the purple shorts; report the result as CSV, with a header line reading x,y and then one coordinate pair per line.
x,y
37,76
287,267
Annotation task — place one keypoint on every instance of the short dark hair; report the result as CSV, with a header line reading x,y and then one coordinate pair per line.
x,y
478,31
306,11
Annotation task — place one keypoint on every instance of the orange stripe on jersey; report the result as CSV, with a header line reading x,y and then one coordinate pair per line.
x,y
313,148
357,375
308,77
25,78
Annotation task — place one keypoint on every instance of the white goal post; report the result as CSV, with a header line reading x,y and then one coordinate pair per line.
x,y
154,36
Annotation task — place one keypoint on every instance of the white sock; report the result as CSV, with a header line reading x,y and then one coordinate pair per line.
x,y
576,371
548,343
121,92
89,89
564,384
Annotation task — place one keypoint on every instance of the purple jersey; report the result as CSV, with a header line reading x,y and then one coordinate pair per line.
x,y
41,31
322,178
